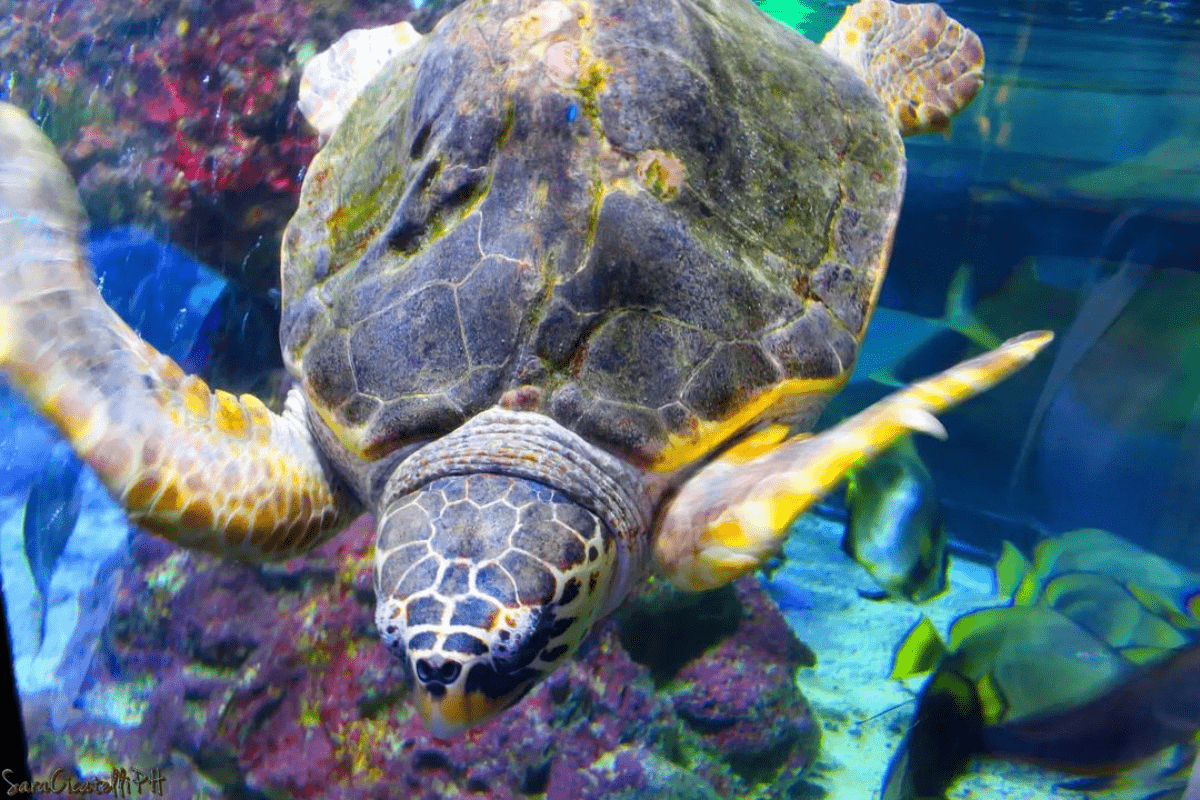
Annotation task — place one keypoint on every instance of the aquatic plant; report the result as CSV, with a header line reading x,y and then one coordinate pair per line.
x,y
812,19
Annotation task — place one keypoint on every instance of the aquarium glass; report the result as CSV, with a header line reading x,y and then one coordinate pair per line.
x,y
1002,605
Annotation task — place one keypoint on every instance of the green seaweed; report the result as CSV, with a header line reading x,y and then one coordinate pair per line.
x,y
812,20
74,107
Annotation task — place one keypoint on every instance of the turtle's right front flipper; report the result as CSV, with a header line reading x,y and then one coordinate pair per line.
x,y
733,515
203,468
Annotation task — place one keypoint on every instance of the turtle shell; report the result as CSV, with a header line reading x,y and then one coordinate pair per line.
x,y
638,215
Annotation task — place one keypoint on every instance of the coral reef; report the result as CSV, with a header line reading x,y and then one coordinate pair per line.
x,y
180,116
233,680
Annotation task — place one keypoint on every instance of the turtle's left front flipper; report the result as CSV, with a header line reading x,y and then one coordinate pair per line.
x,y
733,515
203,468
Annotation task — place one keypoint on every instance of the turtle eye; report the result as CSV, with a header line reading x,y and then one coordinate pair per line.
x,y
516,645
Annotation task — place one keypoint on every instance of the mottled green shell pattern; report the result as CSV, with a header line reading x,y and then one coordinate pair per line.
x,y
646,213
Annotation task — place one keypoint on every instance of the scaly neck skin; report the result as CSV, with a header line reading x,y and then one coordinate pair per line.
x,y
530,445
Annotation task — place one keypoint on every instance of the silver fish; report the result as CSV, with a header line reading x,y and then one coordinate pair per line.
x,y
895,527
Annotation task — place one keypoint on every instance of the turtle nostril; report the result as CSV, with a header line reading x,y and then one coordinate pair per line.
x,y
449,672
443,674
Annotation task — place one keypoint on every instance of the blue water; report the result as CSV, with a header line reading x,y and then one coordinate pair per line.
x,y
1081,153
1069,191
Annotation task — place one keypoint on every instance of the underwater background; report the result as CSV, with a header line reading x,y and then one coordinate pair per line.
x,y
1066,197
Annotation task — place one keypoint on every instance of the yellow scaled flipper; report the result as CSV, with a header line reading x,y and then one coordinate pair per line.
x,y
732,515
924,65
203,468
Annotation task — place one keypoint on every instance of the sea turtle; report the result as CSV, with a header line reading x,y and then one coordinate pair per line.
x,y
565,279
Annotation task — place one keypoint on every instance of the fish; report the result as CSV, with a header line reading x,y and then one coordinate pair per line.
x,y
1160,584
1102,305
1028,683
1092,667
1000,664
1192,790
51,513
235,344
1037,288
157,288
1107,608
896,337
1153,709
894,525
1156,179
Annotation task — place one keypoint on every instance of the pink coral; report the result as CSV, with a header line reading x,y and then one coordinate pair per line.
x,y
198,102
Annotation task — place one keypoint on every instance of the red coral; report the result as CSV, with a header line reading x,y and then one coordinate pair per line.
x,y
201,100
167,106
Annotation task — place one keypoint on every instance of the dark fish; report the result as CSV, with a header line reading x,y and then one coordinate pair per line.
x,y
199,357
158,289
1156,708
1004,669
946,733
894,528
51,513
1101,307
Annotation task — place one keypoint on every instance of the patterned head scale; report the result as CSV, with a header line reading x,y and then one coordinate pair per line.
x,y
485,584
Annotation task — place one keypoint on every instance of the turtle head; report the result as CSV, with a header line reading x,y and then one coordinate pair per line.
x,y
485,583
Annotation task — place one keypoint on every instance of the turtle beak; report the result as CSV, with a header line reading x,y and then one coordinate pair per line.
x,y
450,710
